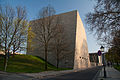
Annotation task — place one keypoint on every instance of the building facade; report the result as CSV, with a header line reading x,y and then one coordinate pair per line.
x,y
78,56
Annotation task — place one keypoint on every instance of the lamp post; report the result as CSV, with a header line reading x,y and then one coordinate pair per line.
x,y
102,50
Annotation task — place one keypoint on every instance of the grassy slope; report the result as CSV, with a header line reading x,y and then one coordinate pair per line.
x,y
117,67
26,63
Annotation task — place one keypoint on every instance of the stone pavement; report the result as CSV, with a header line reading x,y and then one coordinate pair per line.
x,y
14,76
34,76
87,74
111,73
49,74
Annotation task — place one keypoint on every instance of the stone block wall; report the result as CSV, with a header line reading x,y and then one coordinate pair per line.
x,y
81,59
78,56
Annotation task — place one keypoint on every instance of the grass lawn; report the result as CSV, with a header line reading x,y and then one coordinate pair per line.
x,y
117,67
27,64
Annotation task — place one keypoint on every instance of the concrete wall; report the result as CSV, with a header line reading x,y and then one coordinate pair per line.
x,y
78,56
100,60
69,23
81,59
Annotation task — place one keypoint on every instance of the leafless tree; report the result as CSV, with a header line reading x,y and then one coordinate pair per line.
x,y
116,40
105,20
30,37
0,29
10,24
44,28
60,45
7,17
116,45
19,42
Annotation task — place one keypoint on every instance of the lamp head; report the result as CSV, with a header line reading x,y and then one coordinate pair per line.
x,y
102,48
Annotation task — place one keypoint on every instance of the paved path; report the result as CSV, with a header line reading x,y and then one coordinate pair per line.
x,y
14,76
112,74
87,74
95,73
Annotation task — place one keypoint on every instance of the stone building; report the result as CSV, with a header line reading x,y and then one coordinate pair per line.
x,y
96,60
78,57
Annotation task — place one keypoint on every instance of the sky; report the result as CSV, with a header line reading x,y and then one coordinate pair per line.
x,y
61,6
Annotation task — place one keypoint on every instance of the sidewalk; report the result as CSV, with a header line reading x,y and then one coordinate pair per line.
x,y
49,74
33,76
112,74
36,76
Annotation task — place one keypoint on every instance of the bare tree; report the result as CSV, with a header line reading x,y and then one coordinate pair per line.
x,y
7,17
116,40
44,28
10,22
20,38
30,37
116,46
60,44
0,28
105,20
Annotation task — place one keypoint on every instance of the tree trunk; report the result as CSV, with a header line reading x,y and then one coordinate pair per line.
x,y
5,60
117,63
45,57
57,61
13,54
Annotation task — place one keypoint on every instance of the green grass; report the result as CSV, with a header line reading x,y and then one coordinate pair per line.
x,y
26,64
117,67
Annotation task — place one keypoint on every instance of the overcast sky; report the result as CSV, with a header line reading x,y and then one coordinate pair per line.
x,y
61,6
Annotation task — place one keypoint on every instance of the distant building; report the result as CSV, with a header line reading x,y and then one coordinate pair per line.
x,y
2,53
78,57
94,59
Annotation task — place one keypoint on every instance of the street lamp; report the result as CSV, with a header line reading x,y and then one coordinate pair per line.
x,y
102,50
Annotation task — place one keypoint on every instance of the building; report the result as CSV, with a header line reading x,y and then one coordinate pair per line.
x,y
78,57
95,59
